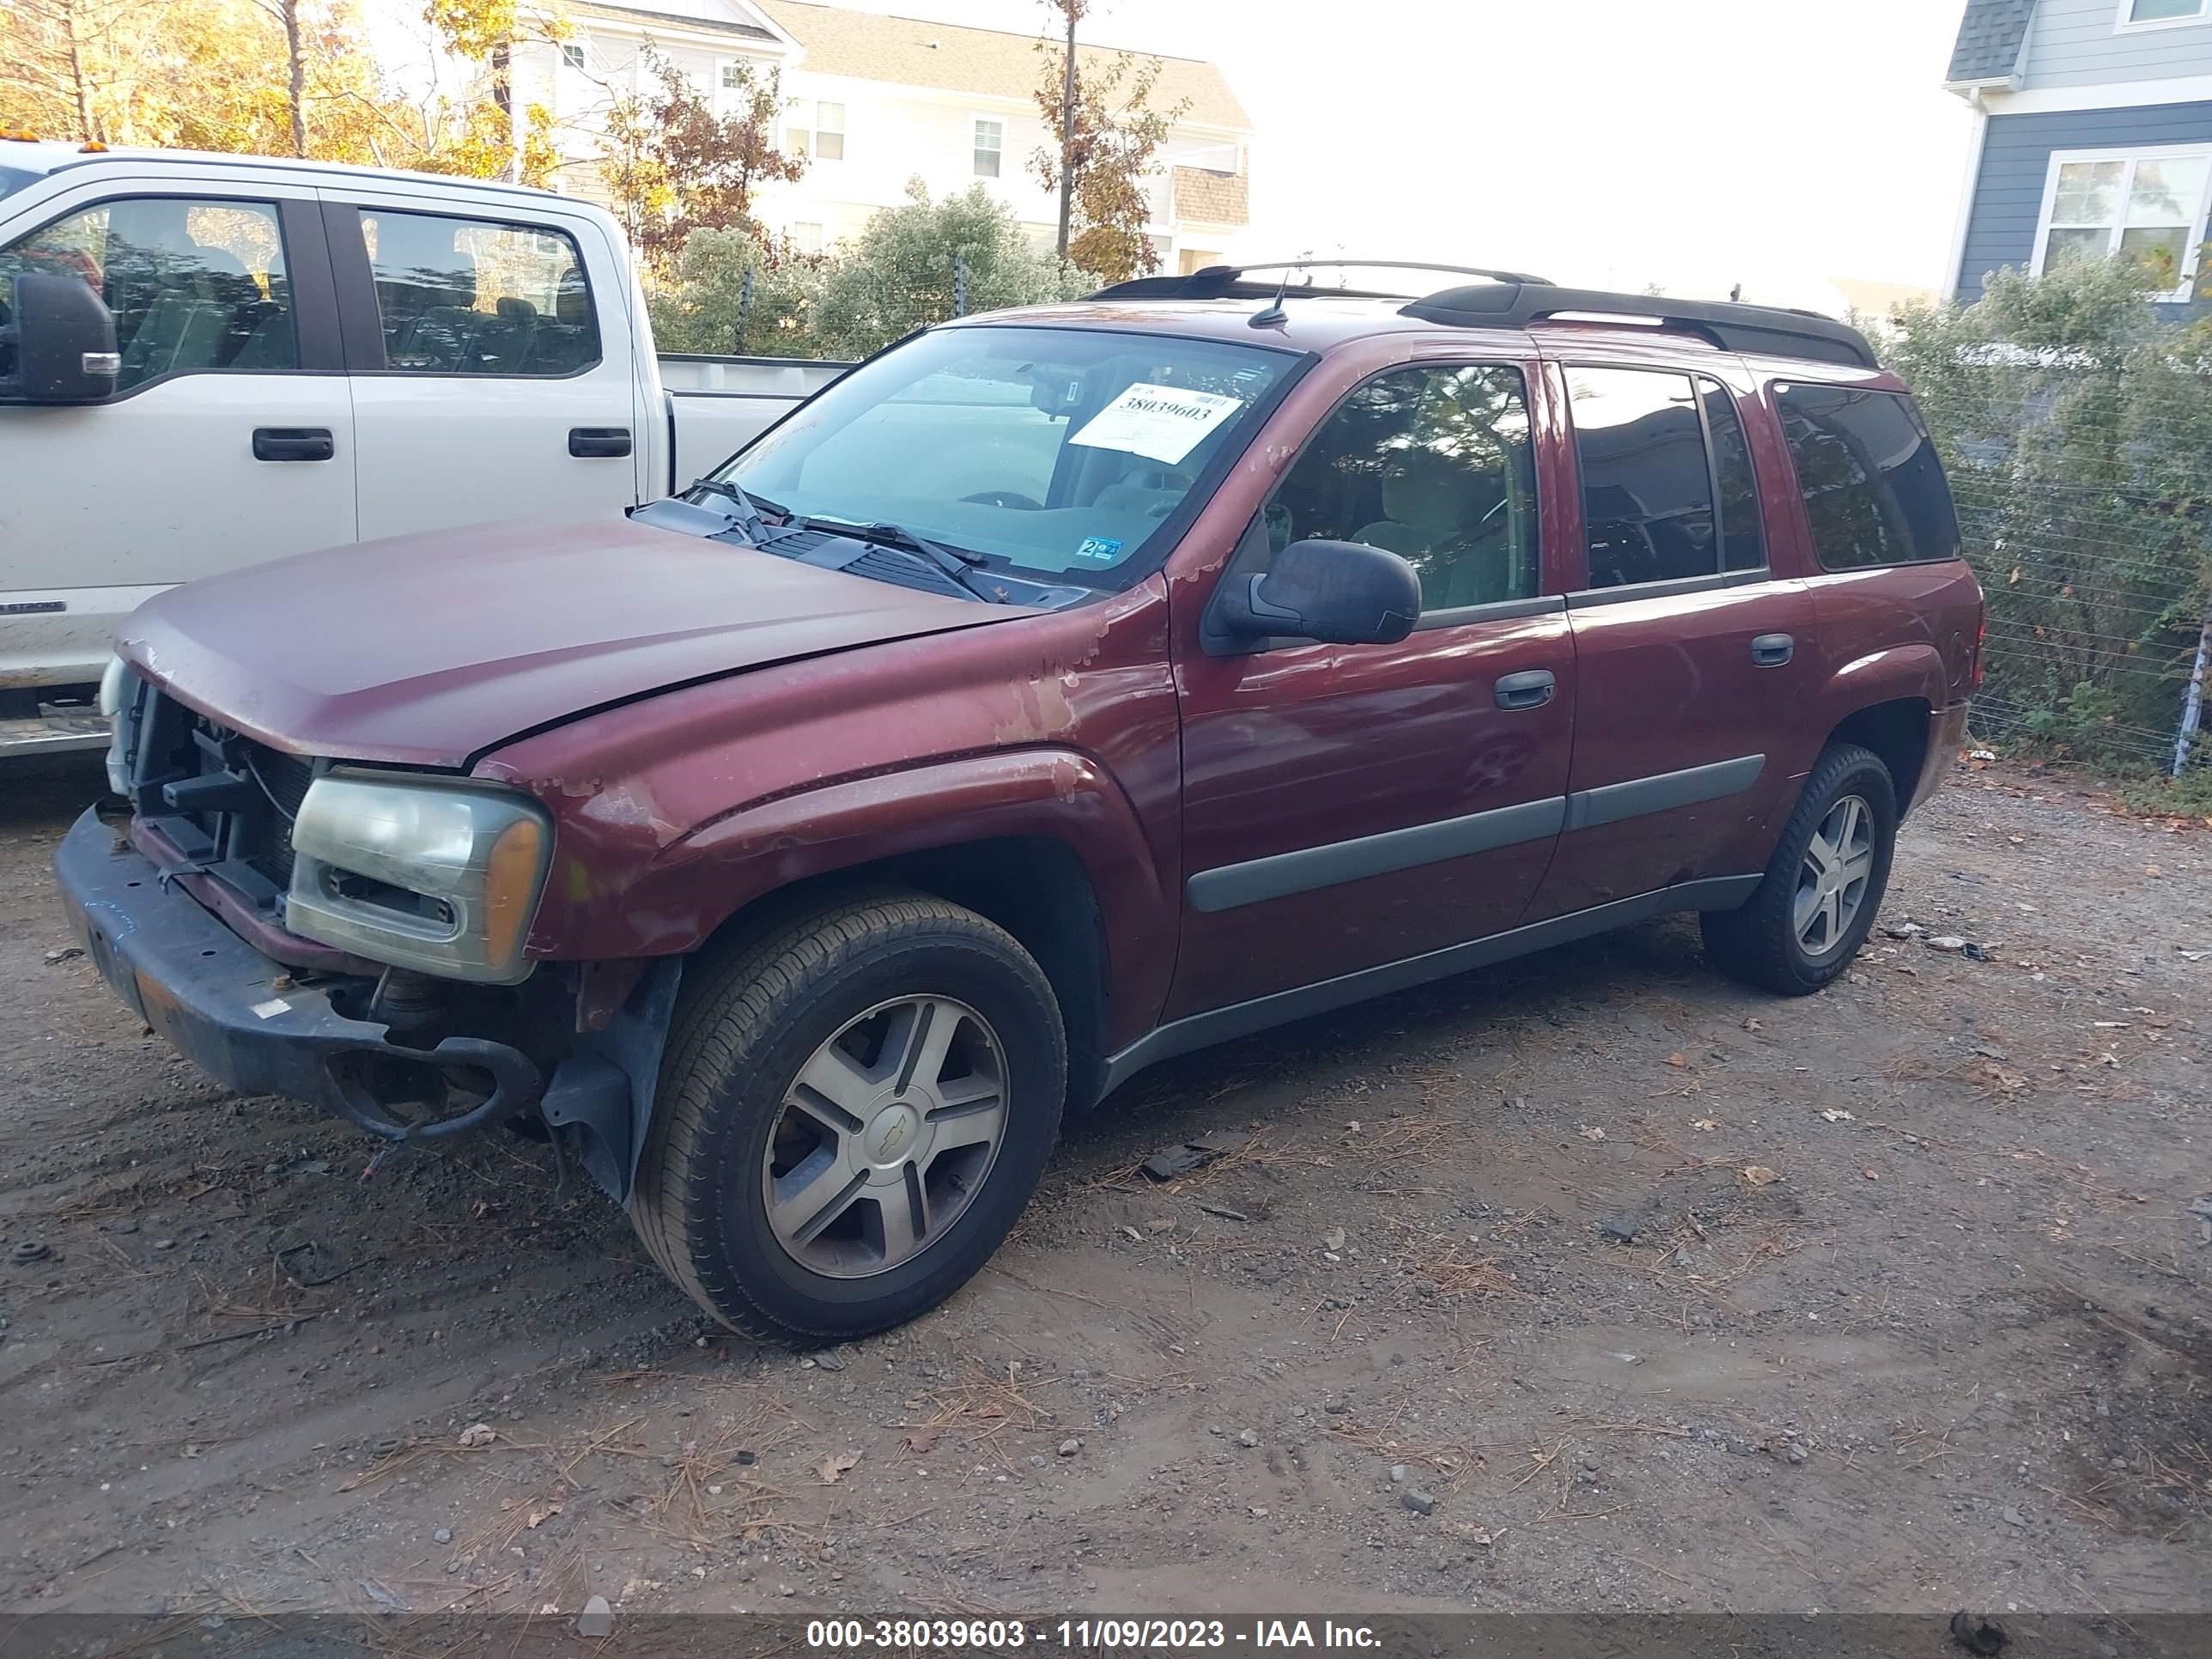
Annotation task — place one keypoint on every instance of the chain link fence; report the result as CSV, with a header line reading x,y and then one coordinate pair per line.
x,y
2076,427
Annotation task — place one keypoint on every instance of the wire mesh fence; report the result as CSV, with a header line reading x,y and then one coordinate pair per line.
x,y
2084,480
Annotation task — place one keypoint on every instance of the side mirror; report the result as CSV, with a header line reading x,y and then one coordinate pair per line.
x,y
1338,592
63,342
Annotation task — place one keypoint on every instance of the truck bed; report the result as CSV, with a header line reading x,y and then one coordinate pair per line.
x,y
717,406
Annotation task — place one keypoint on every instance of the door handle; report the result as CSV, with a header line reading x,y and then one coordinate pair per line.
x,y
598,442
1530,688
1772,650
294,443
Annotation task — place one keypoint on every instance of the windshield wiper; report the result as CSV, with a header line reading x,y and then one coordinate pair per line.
x,y
749,507
957,563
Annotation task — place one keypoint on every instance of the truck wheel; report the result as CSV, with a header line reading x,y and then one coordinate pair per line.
x,y
1807,919
853,1108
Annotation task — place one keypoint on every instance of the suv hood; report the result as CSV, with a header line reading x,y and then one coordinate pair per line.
x,y
426,650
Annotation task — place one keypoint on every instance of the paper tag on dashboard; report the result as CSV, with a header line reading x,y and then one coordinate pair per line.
x,y
1160,422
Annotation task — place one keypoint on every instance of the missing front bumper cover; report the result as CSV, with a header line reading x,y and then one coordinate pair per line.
x,y
241,1019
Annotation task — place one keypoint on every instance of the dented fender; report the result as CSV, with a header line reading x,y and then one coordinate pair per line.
x,y
674,813
1053,793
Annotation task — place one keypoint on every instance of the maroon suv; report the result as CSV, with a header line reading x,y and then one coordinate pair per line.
x,y
1059,691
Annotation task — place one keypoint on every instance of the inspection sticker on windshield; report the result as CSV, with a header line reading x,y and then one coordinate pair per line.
x,y
1160,422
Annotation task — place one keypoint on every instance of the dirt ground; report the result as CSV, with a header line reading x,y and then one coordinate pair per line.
x,y
1663,1294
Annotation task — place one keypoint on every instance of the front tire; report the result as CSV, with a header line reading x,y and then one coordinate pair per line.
x,y
1813,908
854,1107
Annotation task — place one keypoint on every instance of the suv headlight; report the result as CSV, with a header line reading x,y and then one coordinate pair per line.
x,y
423,873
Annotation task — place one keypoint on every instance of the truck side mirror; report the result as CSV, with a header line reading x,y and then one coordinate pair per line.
x,y
1338,592
62,338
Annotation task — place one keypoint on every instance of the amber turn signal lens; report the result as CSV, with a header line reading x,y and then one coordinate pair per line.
x,y
512,871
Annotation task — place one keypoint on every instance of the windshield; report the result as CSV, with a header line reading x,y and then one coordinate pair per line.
x,y
1057,451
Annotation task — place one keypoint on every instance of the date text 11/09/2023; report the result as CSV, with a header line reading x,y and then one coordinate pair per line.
x,y
1083,1635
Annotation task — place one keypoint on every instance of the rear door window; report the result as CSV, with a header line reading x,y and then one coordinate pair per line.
x,y
196,285
1668,488
479,296
1875,491
1743,543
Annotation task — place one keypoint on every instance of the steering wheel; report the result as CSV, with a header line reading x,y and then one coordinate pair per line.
x,y
1005,498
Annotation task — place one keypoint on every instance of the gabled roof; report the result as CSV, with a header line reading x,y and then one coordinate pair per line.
x,y
954,58
1990,38
645,16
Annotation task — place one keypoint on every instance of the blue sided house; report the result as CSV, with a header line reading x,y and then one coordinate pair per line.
x,y
2093,137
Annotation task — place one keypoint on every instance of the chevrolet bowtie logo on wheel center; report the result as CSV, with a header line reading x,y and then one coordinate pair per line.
x,y
892,1133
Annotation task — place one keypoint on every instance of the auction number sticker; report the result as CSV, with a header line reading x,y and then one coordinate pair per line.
x,y
1163,423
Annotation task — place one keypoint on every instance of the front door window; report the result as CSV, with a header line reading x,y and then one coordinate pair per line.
x,y
1433,464
195,285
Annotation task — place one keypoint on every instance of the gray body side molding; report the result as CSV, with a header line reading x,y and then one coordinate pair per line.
x,y
1242,1018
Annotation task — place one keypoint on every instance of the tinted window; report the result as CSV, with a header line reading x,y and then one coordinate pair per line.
x,y
1873,488
1433,464
1647,491
194,285
1743,546
13,178
471,297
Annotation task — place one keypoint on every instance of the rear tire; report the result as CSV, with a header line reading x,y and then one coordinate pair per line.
x,y
824,1207
1813,908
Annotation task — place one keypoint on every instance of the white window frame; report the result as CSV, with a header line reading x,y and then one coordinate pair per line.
x,y
2128,25
573,55
811,129
2193,256
820,239
719,95
976,124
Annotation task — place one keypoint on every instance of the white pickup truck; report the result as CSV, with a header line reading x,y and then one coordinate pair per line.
x,y
210,360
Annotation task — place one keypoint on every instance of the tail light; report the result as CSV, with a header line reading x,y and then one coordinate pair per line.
x,y
1981,638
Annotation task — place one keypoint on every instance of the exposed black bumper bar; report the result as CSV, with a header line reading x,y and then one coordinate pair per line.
x,y
240,1017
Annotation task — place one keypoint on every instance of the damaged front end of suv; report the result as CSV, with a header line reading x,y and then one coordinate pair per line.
x,y
358,938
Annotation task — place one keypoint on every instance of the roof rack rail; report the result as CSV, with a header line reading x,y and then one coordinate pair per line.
x,y
1222,282
1515,302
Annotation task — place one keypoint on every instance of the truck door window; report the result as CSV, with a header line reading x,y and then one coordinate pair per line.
x,y
1433,464
196,286
1873,486
479,296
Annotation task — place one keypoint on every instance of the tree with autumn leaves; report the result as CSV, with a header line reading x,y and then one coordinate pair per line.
x,y
673,164
1110,135
283,78
681,165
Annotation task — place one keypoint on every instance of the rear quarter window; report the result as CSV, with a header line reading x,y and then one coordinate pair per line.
x,y
1875,491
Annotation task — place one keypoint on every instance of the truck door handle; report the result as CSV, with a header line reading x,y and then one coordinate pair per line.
x,y
1772,650
598,442
1530,688
294,443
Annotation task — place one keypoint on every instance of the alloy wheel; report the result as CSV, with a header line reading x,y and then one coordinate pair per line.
x,y
1832,881
886,1136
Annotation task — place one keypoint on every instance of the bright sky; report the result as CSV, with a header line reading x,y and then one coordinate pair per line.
x,y
1609,143
1695,143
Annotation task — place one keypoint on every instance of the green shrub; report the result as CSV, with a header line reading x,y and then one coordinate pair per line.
x,y
2076,427
705,308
